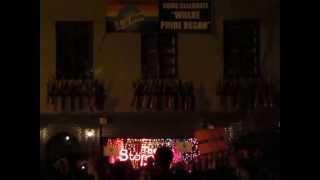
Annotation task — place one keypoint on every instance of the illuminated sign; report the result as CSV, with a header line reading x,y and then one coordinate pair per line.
x,y
142,158
158,15
138,151
185,15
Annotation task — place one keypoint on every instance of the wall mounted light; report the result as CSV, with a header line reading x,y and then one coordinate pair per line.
x,y
43,134
90,132
103,121
210,126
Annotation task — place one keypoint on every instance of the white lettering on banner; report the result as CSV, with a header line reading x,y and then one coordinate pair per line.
x,y
187,25
195,25
190,5
187,14
172,25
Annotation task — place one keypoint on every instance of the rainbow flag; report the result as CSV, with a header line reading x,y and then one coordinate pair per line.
x,y
131,15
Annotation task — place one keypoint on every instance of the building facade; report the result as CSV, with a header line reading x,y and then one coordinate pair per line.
x,y
116,61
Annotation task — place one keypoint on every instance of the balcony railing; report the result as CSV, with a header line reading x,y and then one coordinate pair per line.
x,y
248,94
76,95
163,95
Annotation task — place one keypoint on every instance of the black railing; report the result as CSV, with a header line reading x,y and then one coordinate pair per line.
x,y
248,94
76,95
163,95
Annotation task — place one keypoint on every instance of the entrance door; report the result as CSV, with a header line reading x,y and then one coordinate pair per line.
x,y
63,145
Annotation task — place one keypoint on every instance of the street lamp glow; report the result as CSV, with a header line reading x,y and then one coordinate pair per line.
x,y
90,133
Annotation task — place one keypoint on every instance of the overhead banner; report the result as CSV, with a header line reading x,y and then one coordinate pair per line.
x,y
158,15
185,15
132,15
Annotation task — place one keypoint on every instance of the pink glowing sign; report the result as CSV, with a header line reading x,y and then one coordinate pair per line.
x,y
142,158
138,151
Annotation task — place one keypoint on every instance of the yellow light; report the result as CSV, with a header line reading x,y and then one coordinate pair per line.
x,y
90,133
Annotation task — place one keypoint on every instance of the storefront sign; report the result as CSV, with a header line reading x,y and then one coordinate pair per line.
x,y
185,15
124,155
138,151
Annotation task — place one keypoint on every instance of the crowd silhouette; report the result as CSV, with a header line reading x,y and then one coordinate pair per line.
x,y
239,163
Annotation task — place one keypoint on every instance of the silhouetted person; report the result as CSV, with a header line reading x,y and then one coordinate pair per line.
x,y
180,171
150,163
146,172
163,159
61,170
121,171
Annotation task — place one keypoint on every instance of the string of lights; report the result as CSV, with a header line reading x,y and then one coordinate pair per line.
x,y
139,150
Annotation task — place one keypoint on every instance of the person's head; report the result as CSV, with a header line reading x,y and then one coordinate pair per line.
x,y
128,165
118,171
163,157
233,161
62,166
121,171
181,165
150,162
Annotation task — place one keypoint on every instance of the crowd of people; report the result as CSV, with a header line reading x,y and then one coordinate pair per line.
x,y
65,169
238,163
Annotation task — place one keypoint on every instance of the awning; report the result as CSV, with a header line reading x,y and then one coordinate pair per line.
x,y
161,124
89,120
142,124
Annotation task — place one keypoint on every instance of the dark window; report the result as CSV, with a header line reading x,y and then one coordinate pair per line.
x,y
241,49
158,55
74,50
